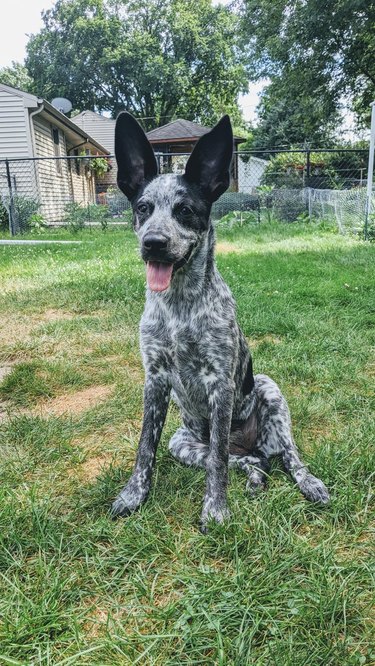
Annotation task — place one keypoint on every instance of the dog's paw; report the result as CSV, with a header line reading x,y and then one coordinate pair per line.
x,y
314,490
254,487
129,499
212,511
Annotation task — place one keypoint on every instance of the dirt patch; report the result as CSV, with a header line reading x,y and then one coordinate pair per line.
x,y
56,315
15,329
5,370
97,620
73,403
224,247
270,339
93,467
3,411
19,328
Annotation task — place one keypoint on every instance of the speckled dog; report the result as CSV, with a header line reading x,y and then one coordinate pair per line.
x,y
191,343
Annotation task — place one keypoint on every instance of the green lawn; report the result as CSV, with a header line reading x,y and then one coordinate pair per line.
x,y
285,583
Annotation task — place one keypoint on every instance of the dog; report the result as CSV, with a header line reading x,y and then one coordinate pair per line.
x,y
191,344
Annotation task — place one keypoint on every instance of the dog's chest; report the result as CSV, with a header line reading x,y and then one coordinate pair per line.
x,y
183,349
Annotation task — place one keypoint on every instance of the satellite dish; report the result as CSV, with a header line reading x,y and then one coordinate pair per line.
x,y
61,104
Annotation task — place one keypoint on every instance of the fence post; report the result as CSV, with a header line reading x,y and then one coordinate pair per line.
x,y
370,172
309,203
308,165
12,219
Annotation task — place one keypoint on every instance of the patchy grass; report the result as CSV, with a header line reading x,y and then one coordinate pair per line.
x,y
285,583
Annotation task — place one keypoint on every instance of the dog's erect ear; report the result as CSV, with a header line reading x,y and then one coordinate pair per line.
x,y
135,158
209,164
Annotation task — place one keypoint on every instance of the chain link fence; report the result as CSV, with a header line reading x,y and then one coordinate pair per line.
x,y
265,185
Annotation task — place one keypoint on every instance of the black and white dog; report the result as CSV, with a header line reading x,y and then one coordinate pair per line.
x,y
191,343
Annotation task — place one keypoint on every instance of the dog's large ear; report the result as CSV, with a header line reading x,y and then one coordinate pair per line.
x,y
135,158
209,164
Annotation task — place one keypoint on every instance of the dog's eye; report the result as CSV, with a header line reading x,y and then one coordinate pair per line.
x,y
142,208
185,211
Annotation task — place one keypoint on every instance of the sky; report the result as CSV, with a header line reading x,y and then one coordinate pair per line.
x,y
23,17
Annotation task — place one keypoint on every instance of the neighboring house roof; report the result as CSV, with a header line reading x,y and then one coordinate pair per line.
x,y
180,130
74,133
102,128
175,131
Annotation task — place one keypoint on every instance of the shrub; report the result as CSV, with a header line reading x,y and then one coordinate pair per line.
x,y
288,205
37,223
24,211
77,216
4,219
327,170
234,201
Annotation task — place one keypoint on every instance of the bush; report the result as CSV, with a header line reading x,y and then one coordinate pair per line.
x,y
239,218
288,205
36,223
77,216
327,170
4,218
24,212
234,201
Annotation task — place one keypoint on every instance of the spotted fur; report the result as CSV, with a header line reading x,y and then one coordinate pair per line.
x,y
192,346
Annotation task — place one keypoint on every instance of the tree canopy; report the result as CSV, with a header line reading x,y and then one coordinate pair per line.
x,y
17,76
318,56
156,58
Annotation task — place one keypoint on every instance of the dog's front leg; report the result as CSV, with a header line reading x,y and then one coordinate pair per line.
x,y
215,500
156,401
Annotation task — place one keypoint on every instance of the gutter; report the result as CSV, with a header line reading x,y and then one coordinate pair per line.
x,y
84,143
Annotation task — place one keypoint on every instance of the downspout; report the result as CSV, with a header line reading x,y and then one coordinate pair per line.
x,y
31,116
33,143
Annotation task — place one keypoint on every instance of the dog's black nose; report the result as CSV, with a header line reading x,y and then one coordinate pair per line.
x,y
155,243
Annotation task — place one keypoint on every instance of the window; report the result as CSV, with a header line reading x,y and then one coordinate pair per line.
x,y
56,146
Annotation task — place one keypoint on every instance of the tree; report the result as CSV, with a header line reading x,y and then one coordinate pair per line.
x,y
290,117
156,58
16,76
316,54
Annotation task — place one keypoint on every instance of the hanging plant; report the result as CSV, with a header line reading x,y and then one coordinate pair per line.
x,y
99,165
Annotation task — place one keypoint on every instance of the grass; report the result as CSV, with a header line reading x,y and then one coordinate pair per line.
x,y
285,583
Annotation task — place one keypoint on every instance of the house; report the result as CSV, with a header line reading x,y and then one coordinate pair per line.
x,y
172,143
30,128
103,129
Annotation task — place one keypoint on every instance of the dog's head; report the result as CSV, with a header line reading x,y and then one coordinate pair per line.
x,y
171,213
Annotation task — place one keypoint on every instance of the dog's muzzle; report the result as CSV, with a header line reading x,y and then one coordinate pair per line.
x,y
160,265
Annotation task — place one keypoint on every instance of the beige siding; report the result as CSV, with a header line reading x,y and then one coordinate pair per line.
x,y
59,184
13,126
103,131
14,143
83,183
54,180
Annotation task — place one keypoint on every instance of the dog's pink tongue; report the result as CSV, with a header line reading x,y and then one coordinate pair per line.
x,y
158,275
